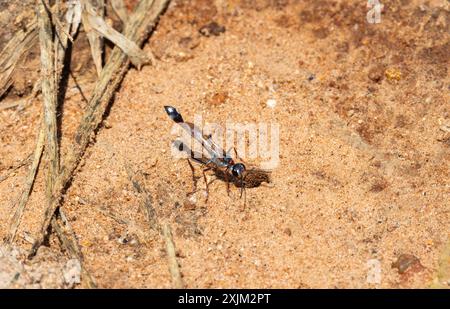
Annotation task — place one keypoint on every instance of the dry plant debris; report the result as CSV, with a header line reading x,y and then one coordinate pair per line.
x,y
53,38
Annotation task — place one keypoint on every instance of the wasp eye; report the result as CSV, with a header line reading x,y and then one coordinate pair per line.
x,y
238,169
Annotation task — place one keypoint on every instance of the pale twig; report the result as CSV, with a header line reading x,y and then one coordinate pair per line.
x,y
64,29
48,94
131,226
15,220
16,48
111,215
147,206
92,21
95,40
23,41
137,29
22,103
68,239
164,230
61,43
15,168
73,15
174,267
120,10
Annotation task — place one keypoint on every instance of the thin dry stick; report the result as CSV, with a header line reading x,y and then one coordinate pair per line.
x,y
50,75
15,220
48,127
61,42
120,10
61,225
50,96
92,21
111,215
164,230
131,226
174,267
48,93
73,16
147,206
95,40
15,168
137,29
50,108
16,48
22,103
68,239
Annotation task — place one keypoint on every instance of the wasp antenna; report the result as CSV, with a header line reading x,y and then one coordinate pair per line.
x,y
173,114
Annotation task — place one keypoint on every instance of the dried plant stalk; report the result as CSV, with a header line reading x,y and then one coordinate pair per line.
x,y
120,9
95,40
163,229
147,206
15,220
92,21
61,43
73,16
140,24
12,169
14,51
48,93
174,267
69,241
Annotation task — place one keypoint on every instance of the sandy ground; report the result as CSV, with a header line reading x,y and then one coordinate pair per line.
x,y
363,178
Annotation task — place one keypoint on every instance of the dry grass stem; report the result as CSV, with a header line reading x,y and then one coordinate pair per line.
x,y
140,24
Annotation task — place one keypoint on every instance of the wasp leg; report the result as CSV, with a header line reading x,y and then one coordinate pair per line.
x,y
206,182
242,208
211,181
194,179
227,181
237,156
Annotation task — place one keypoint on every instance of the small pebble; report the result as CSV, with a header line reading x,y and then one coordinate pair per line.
x,y
405,262
311,77
212,28
182,56
271,103
218,98
189,42
287,231
106,124
123,240
393,74
376,73
72,272
190,203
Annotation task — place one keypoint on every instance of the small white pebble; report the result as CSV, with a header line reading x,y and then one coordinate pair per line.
x,y
271,103
445,128
72,272
192,199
